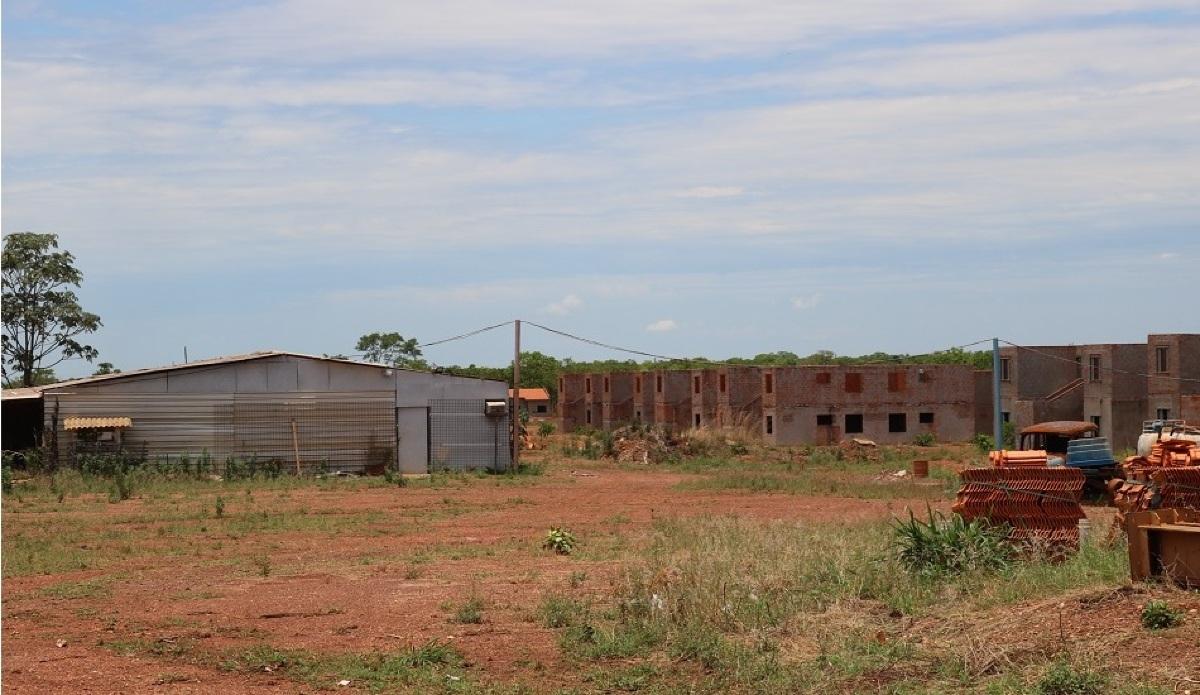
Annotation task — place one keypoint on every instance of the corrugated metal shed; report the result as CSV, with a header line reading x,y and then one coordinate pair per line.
x,y
266,406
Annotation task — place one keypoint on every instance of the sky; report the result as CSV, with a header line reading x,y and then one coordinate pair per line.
x,y
683,178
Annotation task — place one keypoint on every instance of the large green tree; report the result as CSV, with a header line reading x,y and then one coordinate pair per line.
x,y
393,349
42,317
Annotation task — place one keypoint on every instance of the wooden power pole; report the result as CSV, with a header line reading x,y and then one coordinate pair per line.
x,y
516,397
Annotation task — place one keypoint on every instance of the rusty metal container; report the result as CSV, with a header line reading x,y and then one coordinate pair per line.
x,y
920,469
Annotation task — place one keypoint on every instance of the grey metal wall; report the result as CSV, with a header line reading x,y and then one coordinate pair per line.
x,y
462,437
348,416
334,431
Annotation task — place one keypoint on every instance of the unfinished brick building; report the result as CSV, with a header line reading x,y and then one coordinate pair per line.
x,y
1040,384
889,404
571,403
592,413
672,399
616,399
1114,390
1173,389
739,397
704,397
643,397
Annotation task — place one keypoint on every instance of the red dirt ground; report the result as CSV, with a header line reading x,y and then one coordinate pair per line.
x,y
363,591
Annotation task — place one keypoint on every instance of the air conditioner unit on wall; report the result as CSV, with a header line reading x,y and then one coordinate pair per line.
x,y
495,408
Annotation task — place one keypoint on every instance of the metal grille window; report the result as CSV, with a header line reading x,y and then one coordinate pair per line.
x,y
462,437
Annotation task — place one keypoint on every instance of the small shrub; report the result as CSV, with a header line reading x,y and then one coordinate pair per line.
x,y
121,489
545,428
1064,679
263,564
1159,615
6,484
560,540
984,443
219,507
925,439
393,478
470,613
559,611
577,579
951,545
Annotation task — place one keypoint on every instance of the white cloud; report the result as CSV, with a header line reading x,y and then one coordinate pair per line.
x,y
662,326
710,192
807,302
564,306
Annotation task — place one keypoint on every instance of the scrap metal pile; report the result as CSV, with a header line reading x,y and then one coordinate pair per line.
x,y
1040,505
1168,478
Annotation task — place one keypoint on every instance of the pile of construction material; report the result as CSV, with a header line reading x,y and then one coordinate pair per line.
x,y
1032,459
1040,505
640,444
1167,478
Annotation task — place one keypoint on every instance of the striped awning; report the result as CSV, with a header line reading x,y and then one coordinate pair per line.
x,y
96,423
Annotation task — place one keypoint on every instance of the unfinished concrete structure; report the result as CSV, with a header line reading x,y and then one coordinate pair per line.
x,y
572,405
1173,389
1114,390
616,399
739,397
672,399
1040,384
643,397
704,397
983,401
592,413
885,403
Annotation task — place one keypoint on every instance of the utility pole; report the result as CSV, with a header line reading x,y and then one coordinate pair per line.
x,y
997,421
185,354
516,398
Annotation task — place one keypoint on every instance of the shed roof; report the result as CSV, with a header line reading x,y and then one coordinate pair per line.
x,y
24,393
194,364
532,394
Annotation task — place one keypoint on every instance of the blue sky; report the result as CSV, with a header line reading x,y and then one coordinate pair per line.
x,y
679,177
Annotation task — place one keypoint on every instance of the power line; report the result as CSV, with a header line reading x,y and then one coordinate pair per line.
x,y
1102,368
466,335
644,353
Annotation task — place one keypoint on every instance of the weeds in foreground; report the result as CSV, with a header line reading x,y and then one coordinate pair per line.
x,y
1063,678
560,540
470,612
950,545
1157,614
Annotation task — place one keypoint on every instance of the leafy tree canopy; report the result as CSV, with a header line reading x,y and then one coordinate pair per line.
x,y
393,349
42,316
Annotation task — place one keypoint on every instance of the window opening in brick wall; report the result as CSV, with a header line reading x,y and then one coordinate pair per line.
x,y
695,384
589,416
721,379
825,420
1160,359
1096,420
897,422
1005,369
587,385
853,382
696,419
770,424
925,418
1163,414
1094,367
658,383
854,423
824,378
769,383
606,384
637,384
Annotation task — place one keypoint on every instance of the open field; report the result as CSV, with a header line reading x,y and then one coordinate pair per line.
x,y
770,570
